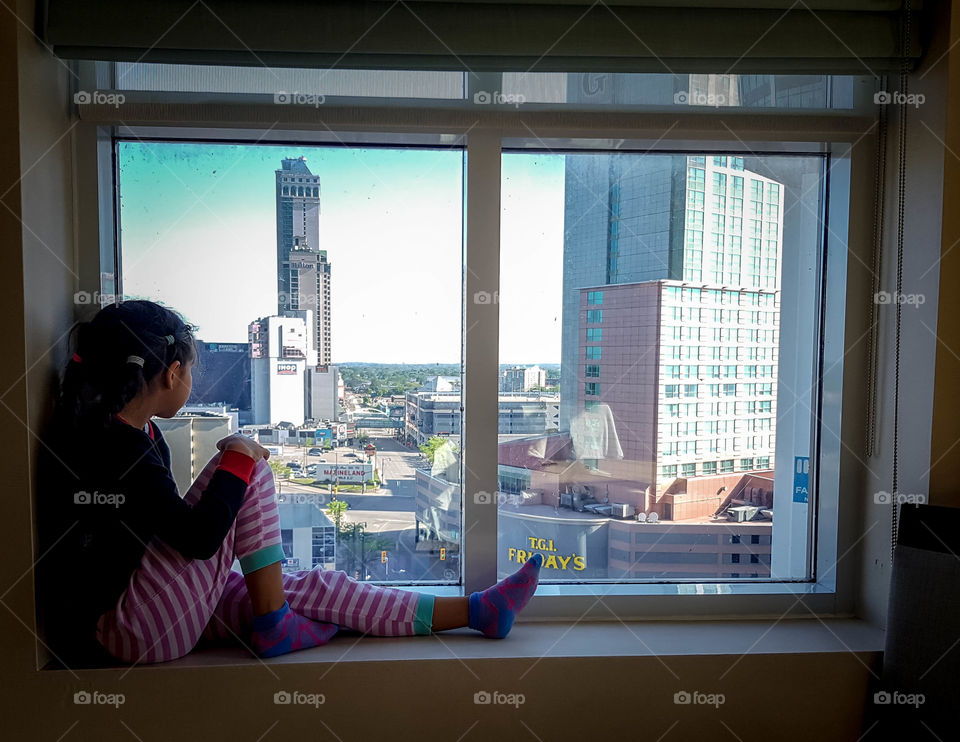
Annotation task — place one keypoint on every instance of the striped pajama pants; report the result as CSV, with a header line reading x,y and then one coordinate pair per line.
x,y
172,602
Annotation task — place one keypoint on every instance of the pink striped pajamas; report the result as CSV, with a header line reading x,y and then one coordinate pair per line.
x,y
172,602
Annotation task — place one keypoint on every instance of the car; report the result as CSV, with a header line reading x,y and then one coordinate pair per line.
x,y
315,452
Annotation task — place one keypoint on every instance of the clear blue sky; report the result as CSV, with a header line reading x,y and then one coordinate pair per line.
x,y
198,233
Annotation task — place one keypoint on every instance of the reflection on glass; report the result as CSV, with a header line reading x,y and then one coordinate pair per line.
x,y
666,324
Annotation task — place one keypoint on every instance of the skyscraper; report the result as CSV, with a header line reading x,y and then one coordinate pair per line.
x,y
671,310
303,272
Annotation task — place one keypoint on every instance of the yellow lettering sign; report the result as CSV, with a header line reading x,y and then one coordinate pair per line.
x,y
550,561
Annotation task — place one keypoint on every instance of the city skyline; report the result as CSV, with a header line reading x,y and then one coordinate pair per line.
x,y
214,207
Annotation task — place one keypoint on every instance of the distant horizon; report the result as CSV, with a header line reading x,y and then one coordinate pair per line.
x,y
541,364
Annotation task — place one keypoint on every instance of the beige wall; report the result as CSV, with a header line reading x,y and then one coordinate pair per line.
x,y
944,449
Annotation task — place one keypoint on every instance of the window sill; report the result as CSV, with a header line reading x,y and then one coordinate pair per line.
x,y
545,640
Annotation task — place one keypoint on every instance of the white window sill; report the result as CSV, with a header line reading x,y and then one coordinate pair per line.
x,y
537,639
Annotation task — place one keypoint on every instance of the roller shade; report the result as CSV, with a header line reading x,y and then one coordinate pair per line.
x,y
772,36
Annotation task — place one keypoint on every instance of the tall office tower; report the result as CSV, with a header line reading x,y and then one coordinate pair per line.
x,y
671,308
688,374
303,273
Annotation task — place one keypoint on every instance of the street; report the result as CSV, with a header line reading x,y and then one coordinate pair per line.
x,y
387,512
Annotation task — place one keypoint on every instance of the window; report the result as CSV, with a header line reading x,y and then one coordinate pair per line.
x,y
532,326
270,258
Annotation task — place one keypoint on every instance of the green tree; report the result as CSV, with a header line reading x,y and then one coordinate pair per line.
x,y
280,470
429,449
336,509
361,548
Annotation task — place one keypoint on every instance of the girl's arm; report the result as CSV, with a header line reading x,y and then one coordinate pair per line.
x,y
195,531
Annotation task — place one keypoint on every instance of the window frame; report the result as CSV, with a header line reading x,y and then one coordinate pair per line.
x,y
486,138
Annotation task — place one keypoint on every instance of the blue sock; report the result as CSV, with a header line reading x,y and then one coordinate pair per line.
x,y
282,631
492,611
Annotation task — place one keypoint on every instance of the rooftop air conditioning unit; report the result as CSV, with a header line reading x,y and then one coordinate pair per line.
x,y
623,510
742,513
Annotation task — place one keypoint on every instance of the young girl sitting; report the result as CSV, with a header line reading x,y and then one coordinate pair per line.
x,y
133,571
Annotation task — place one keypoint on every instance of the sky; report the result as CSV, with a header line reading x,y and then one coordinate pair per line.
x,y
198,233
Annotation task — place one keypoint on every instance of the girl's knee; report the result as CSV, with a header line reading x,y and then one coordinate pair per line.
x,y
262,472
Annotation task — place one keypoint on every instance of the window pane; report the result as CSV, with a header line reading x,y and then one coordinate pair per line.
x,y
290,259
705,90
284,84
650,440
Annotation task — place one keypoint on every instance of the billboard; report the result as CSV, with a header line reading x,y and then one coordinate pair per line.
x,y
286,368
345,473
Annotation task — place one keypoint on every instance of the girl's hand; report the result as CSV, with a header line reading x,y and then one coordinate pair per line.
x,y
245,445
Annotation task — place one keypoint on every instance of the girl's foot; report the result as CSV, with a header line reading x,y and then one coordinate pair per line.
x,y
492,611
283,631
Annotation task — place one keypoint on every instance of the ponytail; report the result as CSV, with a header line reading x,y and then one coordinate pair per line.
x,y
116,355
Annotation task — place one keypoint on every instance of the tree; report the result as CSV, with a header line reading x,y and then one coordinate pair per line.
x,y
362,548
280,470
336,509
429,449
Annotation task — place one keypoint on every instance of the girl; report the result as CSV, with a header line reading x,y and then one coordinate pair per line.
x,y
132,571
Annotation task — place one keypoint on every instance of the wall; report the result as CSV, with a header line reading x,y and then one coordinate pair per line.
x,y
944,458
921,386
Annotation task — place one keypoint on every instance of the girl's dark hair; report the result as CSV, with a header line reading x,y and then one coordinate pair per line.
x,y
99,380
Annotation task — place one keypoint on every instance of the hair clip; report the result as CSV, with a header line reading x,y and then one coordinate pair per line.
x,y
76,358
170,339
135,359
